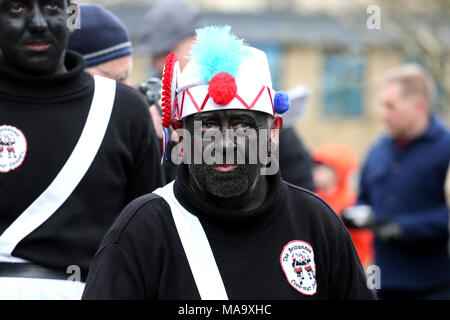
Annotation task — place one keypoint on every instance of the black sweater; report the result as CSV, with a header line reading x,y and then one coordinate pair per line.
x,y
142,257
51,112
295,161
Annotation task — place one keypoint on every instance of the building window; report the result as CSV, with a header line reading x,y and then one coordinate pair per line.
x,y
343,85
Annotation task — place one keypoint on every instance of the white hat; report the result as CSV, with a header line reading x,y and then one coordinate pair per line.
x,y
222,73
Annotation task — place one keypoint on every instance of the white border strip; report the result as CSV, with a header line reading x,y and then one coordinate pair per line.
x,y
196,246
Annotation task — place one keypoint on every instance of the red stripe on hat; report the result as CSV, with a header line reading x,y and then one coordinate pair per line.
x,y
239,98
180,111
271,100
204,102
193,101
257,97
249,107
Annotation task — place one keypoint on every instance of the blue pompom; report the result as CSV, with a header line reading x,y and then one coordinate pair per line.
x,y
281,102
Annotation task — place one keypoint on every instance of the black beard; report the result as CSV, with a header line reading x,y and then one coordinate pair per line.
x,y
39,69
234,184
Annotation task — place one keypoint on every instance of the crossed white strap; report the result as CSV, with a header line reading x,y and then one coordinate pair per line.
x,y
196,246
70,175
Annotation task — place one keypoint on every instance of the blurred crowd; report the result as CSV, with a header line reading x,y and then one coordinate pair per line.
x,y
394,202
397,213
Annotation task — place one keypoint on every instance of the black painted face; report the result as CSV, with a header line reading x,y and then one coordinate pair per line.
x,y
232,179
34,35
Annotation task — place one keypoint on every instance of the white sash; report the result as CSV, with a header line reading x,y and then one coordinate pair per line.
x,y
70,175
196,246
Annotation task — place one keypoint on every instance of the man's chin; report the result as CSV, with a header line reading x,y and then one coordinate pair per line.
x,y
227,184
34,63
39,68
227,188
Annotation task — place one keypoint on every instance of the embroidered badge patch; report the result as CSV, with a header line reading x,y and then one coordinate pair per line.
x,y
13,148
297,261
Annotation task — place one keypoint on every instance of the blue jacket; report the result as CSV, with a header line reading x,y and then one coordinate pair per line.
x,y
407,185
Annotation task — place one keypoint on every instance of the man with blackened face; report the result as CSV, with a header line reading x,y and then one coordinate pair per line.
x,y
75,150
229,171
34,35
228,227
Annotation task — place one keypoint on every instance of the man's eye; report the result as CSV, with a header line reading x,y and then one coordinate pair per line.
x,y
17,9
242,125
51,6
208,125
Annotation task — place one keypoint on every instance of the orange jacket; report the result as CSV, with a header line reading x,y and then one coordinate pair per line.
x,y
344,161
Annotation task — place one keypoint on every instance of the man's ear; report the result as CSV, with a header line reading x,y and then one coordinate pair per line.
x,y
177,124
275,127
421,105
277,123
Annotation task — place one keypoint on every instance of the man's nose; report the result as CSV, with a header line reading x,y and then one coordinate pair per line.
x,y
36,20
229,139
384,114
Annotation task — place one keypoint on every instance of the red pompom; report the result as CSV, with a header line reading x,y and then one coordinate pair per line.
x,y
222,88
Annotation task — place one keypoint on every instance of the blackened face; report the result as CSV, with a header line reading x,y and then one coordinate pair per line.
x,y
34,35
228,179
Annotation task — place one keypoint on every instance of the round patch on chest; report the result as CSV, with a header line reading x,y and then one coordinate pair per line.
x,y
297,262
13,148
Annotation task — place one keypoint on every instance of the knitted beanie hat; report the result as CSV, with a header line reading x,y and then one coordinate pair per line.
x,y
102,37
166,24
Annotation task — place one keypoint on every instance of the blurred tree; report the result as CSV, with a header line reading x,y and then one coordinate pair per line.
x,y
423,29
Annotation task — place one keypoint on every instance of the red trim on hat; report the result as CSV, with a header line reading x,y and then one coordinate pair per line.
x,y
195,103
238,97
249,107
257,97
271,100
180,110
204,102
166,93
192,99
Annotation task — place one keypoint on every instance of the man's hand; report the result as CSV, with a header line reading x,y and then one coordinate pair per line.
x,y
387,231
362,216
358,217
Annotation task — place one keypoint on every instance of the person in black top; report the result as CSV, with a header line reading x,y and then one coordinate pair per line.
x,y
295,160
47,115
226,229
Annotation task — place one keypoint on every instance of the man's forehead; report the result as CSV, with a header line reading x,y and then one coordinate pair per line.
x,y
227,114
32,1
391,89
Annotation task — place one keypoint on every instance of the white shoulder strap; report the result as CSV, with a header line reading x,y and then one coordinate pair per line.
x,y
70,175
196,246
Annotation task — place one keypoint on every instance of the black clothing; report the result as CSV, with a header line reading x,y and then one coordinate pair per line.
x,y
295,160
51,112
141,256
